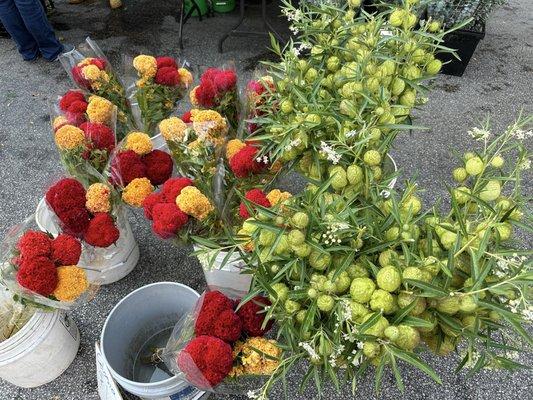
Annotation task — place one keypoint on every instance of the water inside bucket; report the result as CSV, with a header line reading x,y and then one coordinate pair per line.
x,y
146,372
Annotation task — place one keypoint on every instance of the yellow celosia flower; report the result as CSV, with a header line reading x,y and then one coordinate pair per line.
x,y
85,61
59,122
192,97
69,137
72,283
185,76
233,147
91,72
98,198
136,191
253,362
276,196
193,202
145,65
173,128
139,142
100,110
209,125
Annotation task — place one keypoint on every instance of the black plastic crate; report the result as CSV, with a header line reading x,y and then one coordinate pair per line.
x,y
465,43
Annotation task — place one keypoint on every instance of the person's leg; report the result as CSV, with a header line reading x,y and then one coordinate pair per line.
x,y
34,17
14,24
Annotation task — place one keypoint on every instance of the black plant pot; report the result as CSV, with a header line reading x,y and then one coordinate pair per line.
x,y
465,43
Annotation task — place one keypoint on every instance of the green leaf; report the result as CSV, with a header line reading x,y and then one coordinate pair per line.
x,y
415,362
429,290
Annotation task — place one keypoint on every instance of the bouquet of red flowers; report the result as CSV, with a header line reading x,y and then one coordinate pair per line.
x,y
258,91
220,346
44,270
136,168
84,133
90,71
218,91
161,84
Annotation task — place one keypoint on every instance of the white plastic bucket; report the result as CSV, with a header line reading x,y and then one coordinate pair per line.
x,y
159,142
226,278
105,265
41,351
133,321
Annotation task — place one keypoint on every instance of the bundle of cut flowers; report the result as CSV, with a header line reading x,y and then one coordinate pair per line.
x,y
363,283
13,315
221,346
84,133
137,168
256,95
91,71
346,87
218,91
89,214
213,170
43,270
161,84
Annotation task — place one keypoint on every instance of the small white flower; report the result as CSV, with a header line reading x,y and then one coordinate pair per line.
x,y
331,154
310,350
479,134
351,133
525,165
384,193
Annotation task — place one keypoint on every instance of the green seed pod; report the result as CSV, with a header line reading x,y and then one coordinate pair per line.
x,y
300,316
319,261
357,271
467,304
302,250
296,237
378,328
474,166
325,303
266,237
354,174
459,174
396,17
408,338
292,306
397,86
433,26
448,305
388,278
387,257
339,179
283,246
312,293
504,230
434,67
461,194
300,220
361,289
392,234
448,239
497,162
358,311
491,191
413,273
371,349
382,300
287,106
391,333
282,292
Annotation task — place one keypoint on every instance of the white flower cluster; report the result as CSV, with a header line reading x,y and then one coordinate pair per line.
x,y
331,154
335,354
263,159
293,143
479,134
525,164
503,266
521,134
310,350
350,134
257,394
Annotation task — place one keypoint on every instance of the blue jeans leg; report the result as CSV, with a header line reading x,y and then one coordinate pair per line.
x,y
14,24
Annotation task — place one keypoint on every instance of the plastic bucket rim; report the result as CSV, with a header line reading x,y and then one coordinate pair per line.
x,y
113,372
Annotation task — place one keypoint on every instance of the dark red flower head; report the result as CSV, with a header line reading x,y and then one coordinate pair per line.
x,y
126,166
255,196
166,62
168,76
38,275
206,94
74,221
217,318
167,219
206,361
65,195
73,101
66,250
172,188
150,201
99,62
158,166
34,244
252,315
244,162
101,231
100,136
186,117
225,81
77,76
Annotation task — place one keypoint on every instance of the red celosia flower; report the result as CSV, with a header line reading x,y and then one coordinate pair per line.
x,y
77,107
206,361
127,166
149,203
66,250
225,81
255,87
34,244
65,195
252,316
167,219
217,318
254,196
100,136
172,188
244,162
99,62
158,166
74,221
38,275
102,231
168,76
78,77
186,117
166,62
71,97
206,94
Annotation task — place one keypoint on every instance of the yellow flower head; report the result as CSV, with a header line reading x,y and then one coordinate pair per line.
x,y
72,283
100,110
173,128
69,137
209,125
98,198
185,76
145,65
139,142
85,61
192,97
59,122
253,362
233,147
92,72
193,202
136,191
276,196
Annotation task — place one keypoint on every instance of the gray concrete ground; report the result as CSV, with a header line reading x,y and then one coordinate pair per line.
x,y
498,83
